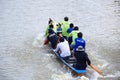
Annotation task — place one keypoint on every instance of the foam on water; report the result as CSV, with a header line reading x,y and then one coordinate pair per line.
x,y
66,76
61,76
39,40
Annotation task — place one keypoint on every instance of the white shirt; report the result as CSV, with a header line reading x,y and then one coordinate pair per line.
x,y
64,48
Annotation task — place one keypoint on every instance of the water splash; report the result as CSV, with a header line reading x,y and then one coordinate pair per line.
x,y
62,76
115,76
67,76
39,40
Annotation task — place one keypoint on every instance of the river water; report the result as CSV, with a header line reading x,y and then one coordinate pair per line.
x,y
22,25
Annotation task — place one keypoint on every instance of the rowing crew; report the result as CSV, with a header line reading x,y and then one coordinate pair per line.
x,y
64,37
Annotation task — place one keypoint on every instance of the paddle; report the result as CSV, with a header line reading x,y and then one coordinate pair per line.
x,y
46,41
96,69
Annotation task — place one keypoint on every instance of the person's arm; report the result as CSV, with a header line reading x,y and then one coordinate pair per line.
x,y
57,48
84,45
87,59
70,34
75,45
46,31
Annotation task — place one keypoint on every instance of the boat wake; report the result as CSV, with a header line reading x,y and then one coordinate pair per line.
x,y
67,76
39,40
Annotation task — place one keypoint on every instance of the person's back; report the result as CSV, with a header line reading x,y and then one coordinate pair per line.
x,y
79,41
70,29
50,22
65,25
59,29
82,59
63,46
73,34
52,37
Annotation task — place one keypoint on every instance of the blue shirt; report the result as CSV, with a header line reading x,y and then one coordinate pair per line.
x,y
59,29
70,30
79,42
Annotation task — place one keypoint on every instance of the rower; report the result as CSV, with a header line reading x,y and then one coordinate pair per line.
x,y
79,41
82,59
63,49
65,25
69,30
52,37
59,29
51,22
73,34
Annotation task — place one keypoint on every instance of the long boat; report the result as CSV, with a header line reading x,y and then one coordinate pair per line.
x,y
69,63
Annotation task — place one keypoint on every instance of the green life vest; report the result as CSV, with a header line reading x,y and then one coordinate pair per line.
x,y
65,25
46,31
54,28
74,35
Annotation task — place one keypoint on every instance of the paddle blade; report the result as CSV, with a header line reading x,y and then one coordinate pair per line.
x,y
46,42
96,69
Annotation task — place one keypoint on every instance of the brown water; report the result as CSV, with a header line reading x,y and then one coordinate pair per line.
x,y
22,24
